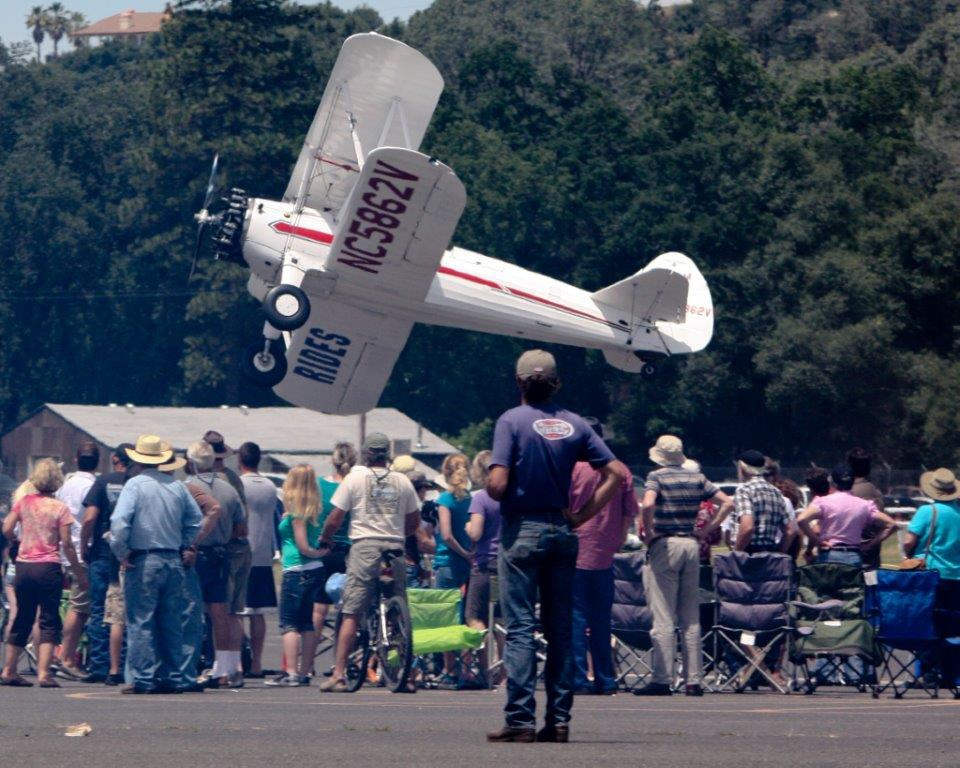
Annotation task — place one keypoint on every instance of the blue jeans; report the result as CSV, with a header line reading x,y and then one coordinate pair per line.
x,y
537,552
153,591
592,603
98,633
844,557
192,623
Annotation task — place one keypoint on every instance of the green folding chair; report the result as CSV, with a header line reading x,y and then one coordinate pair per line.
x,y
435,616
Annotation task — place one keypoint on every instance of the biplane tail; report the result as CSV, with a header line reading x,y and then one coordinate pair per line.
x,y
668,306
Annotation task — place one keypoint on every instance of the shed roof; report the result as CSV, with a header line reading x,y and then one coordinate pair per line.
x,y
275,430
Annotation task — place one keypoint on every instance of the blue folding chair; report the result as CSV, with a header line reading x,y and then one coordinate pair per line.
x,y
903,615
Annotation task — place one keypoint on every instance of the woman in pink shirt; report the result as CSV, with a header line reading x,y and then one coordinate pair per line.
x,y
843,517
44,527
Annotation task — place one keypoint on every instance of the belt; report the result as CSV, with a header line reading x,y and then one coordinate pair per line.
x,y
841,548
155,551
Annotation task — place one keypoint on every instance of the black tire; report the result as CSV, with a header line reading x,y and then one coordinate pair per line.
x,y
396,654
286,307
359,659
264,370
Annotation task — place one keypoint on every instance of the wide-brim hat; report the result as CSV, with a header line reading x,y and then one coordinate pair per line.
x,y
667,451
150,450
220,448
177,462
940,484
752,462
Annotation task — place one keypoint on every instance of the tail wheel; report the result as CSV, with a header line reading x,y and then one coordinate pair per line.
x,y
356,670
286,307
649,369
264,364
396,650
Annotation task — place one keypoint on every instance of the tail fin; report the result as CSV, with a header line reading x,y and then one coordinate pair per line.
x,y
669,294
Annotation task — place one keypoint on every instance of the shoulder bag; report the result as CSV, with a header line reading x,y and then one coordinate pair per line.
x,y
920,563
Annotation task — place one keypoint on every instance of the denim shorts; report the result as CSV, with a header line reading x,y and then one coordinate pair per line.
x,y
212,565
299,590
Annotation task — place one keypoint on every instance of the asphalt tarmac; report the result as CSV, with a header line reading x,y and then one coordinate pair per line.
x,y
261,726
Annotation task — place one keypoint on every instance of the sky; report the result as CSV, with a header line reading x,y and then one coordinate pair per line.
x,y
13,13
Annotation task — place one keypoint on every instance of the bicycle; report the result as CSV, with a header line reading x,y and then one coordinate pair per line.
x,y
384,632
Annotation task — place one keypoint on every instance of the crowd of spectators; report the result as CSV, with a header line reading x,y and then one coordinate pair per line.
x,y
163,572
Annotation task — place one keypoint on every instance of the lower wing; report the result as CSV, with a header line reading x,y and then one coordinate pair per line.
x,y
340,360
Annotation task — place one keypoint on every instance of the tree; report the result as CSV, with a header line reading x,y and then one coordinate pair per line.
x,y
37,21
76,21
58,24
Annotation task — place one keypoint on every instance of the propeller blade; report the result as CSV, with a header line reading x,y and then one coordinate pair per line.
x,y
196,252
208,197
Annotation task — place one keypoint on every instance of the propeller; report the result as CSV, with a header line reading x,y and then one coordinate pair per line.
x,y
203,217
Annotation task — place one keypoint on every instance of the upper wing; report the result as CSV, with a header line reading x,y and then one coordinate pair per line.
x,y
380,92
340,361
396,225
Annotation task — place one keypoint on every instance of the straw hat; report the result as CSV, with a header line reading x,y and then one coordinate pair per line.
x,y
175,463
941,484
150,450
668,451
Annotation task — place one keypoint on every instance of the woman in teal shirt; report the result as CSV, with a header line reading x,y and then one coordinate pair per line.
x,y
302,575
343,459
454,554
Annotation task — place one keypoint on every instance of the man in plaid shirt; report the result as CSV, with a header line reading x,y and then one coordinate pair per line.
x,y
759,509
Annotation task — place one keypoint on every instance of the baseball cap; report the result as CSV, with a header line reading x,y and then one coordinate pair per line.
x,y
420,480
536,362
376,442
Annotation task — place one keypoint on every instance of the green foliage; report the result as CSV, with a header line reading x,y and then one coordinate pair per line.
x,y
805,153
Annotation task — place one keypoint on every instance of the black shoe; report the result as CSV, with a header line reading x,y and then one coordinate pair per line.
x,y
585,690
693,690
510,734
653,689
558,734
167,689
113,679
137,689
192,688
94,677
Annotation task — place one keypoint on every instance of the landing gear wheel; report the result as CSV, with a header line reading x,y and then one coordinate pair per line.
x,y
264,364
286,307
649,369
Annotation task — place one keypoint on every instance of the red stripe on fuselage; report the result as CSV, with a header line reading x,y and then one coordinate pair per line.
x,y
286,228
523,295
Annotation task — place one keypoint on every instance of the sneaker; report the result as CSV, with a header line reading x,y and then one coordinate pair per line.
x,y
192,688
284,681
304,679
334,685
693,690
93,677
654,689
235,680
113,679
510,734
68,671
558,734
135,689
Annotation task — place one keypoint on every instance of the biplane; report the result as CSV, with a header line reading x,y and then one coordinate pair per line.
x,y
358,251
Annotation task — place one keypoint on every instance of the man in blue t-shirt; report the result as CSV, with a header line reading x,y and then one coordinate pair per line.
x,y
535,447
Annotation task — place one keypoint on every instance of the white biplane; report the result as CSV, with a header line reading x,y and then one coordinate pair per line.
x,y
357,252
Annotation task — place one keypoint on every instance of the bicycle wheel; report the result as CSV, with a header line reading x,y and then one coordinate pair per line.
x,y
356,669
396,650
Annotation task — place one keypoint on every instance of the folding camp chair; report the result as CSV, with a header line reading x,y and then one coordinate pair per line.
x,y
753,623
905,632
832,628
947,624
630,622
435,617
